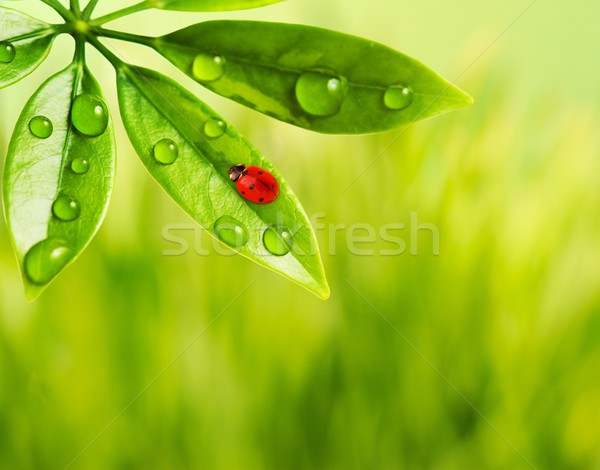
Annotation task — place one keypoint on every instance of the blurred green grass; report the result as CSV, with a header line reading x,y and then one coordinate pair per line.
x,y
486,356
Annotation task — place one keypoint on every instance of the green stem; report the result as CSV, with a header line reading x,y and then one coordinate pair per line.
x,y
79,57
79,60
144,40
89,8
61,10
113,59
75,8
38,33
115,15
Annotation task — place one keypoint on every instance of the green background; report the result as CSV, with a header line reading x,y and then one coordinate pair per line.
x,y
486,355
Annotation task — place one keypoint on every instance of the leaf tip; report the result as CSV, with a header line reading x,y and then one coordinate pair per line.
x,y
320,289
468,99
458,97
324,293
33,291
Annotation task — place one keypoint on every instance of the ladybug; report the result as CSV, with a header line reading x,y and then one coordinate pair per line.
x,y
254,183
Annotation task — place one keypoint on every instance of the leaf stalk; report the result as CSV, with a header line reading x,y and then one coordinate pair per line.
x,y
89,8
60,9
115,15
75,8
38,33
122,36
112,58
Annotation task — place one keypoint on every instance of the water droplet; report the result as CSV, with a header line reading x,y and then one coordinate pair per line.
x,y
398,97
214,128
231,231
7,52
45,260
320,94
41,127
166,151
80,166
278,240
208,67
66,208
89,115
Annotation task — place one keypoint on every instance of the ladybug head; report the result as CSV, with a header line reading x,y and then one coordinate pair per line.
x,y
236,171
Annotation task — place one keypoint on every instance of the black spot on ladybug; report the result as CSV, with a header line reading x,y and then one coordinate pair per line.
x,y
261,199
260,172
251,186
243,192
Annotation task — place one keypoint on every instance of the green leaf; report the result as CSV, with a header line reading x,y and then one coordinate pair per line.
x,y
208,5
155,108
310,77
28,39
54,202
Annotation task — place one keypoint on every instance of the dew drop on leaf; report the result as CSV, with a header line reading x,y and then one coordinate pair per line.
x,y
278,240
66,208
45,260
80,166
89,115
320,94
166,151
7,52
397,97
231,231
208,67
41,127
214,128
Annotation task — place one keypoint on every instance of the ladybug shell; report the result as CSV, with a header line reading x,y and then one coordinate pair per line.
x,y
257,185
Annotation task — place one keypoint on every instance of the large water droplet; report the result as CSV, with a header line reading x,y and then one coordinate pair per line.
x,y
231,231
41,127
320,94
89,115
398,97
166,151
278,240
66,208
80,166
208,67
214,128
45,260
7,52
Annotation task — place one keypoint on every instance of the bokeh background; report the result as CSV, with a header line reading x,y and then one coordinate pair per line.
x,y
486,355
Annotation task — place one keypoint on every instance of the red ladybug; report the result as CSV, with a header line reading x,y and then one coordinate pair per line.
x,y
254,183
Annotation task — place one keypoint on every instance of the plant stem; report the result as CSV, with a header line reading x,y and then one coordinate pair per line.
x,y
115,15
39,32
61,10
79,61
79,57
144,40
89,8
75,8
113,59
